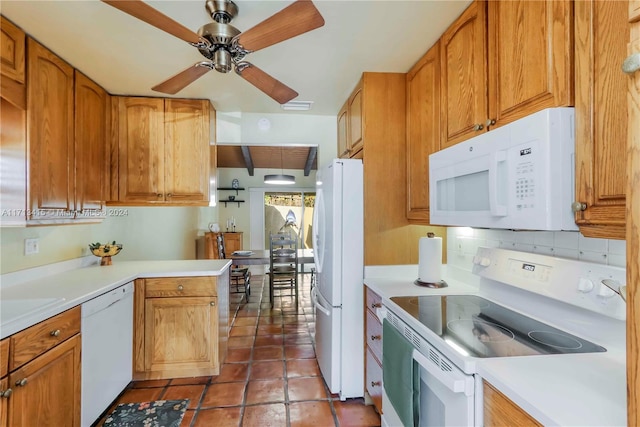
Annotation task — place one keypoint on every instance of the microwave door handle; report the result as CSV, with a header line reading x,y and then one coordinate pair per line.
x,y
496,209
455,382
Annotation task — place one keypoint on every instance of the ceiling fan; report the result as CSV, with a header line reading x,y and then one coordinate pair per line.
x,y
225,46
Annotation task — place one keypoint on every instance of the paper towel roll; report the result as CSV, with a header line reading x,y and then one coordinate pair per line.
x,y
430,259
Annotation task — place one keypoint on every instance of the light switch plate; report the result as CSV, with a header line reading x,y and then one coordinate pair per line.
x,y
31,246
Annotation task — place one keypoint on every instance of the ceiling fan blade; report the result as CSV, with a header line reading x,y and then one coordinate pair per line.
x,y
184,78
295,19
146,13
280,92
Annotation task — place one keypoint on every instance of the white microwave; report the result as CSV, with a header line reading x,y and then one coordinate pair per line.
x,y
518,176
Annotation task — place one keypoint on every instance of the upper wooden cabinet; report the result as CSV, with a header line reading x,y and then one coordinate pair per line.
x,y
530,57
50,127
464,82
91,133
67,139
12,63
503,60
163,151
601,102
350,140
423,131
343,132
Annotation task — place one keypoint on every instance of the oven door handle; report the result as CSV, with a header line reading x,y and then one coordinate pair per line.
x,y
457,383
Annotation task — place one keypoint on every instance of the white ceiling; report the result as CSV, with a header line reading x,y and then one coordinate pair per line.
x,y
127,56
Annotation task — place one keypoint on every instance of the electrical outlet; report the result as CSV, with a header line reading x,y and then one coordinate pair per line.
x,y
31,246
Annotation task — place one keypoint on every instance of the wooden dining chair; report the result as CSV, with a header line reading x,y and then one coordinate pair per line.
x,y
283,265
239,276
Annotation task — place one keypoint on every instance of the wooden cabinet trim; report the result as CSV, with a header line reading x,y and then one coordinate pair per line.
x,y
13,51
499,410
4,357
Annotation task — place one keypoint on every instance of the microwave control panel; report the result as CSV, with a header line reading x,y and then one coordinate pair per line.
x,y
525,190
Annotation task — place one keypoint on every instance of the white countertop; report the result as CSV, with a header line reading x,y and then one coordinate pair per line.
x,y
73,287
567,390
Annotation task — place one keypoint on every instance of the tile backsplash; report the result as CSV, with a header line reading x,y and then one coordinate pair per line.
x,y
462,243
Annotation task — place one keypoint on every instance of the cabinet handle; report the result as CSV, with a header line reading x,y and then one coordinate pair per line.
x,y
180,287
159,195
376,305
631,64
212,303
578,206
169,194
6,393
55,333
490,122
375,383
375,337
21,383
478,127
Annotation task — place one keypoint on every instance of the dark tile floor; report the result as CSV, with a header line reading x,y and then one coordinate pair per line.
x,y
270,377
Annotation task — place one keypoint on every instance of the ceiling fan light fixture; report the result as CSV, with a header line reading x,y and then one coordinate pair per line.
x,y
222,60
297,105
279,179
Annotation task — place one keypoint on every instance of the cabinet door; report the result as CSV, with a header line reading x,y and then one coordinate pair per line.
x,y
181,336
423,131
343,136
50,134
141,150
51,394
12,58
91,144
4,402
530,61
464,76
601,100
501,411
232,243
355,121
187,151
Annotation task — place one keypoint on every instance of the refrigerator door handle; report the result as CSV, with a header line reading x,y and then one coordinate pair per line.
x,y
318,229
314,299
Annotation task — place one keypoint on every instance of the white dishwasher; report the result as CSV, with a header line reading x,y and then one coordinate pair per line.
x,y
107,350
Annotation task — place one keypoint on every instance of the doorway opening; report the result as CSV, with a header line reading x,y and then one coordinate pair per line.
x,y
291,212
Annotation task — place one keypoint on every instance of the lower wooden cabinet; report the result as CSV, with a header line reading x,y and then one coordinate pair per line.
x,y
373,349
176,330
499,410
45,386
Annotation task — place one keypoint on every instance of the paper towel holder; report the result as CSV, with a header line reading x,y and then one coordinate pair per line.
x,y
434,285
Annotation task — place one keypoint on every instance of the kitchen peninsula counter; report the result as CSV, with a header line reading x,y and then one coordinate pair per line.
x,y
568,389
73,287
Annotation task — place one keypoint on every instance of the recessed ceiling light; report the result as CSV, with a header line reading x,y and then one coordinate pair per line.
x,y
297,105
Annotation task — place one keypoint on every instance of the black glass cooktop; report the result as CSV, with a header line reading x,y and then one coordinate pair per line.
x,y
482,328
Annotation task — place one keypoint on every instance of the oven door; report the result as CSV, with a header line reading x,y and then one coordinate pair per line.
x,y
446,395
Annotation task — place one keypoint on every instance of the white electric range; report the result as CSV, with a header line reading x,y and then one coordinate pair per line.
x,y
542,330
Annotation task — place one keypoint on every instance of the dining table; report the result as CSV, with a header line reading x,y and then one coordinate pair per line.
x,y
261,256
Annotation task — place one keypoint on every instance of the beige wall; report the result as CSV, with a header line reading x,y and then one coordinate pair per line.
x,y
146,233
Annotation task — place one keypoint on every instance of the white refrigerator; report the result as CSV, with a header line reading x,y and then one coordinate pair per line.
x,y
338,243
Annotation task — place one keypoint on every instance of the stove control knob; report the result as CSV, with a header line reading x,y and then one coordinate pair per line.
x,y
605,292
585,285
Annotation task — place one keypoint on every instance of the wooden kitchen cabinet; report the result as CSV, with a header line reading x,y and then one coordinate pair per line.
x,y
350,122
373,348
67,138
232,242
501,411
5,390
501,61
12,63
45,373
423,131
176,331
343,135
464,82
601,100
162,151
91,135
530,57
50,126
